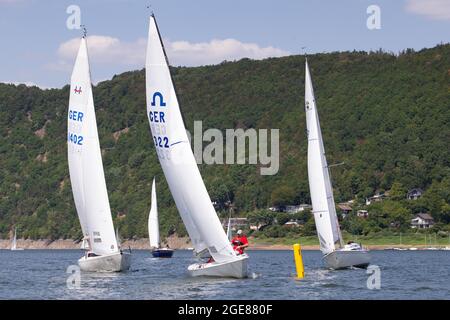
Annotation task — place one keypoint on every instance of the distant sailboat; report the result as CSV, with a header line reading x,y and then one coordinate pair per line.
x,y
229,231
336,255
119,241
87,178
14,242
181,171
153,229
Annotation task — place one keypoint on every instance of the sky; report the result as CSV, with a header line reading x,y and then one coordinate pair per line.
x,y
38,47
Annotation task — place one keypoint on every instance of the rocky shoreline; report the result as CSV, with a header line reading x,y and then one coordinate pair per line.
x,y
138,244
172,242
62,244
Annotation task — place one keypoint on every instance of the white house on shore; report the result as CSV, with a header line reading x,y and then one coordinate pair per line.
x,y
414,194
422,221
379,196
291,208
362,213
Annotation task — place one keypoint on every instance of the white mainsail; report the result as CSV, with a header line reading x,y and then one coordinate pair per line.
x,y
153,224
176,157
85,161
319,179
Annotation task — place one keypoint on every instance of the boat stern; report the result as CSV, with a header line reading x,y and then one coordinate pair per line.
x,y
236,268
341,259
116,262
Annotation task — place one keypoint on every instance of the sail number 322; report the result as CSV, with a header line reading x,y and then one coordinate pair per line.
x,y
162,142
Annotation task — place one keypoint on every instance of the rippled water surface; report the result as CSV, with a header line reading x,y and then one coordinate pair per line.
x,y
41,274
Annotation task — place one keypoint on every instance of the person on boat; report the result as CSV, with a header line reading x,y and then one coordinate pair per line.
x,y
239,242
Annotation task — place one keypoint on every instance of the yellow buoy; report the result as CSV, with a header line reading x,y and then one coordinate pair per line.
x,y
299,261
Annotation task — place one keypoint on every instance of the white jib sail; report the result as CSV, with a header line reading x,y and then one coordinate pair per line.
x,y
319,180
85,161
153,224
176,157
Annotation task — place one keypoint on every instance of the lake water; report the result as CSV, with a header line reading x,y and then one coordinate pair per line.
x,y
41,274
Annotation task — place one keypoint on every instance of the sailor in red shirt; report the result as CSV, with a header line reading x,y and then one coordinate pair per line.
x,y
239,242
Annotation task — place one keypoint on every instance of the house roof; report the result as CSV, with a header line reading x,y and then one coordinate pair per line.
x,y
415,190
344,207
425,216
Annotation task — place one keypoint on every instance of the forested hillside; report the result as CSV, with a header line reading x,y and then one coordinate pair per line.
x,y
386,116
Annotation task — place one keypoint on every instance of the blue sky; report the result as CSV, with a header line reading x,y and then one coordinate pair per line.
x,y
38,48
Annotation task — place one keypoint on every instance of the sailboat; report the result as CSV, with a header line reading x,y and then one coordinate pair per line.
x,y
336,254
102,252
229,231
119,241
180,169
14,242
153,229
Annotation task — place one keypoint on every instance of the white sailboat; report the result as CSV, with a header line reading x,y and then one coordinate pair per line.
x,y
153,229
229,231
119,241
87,177
181,171
14,242
336,254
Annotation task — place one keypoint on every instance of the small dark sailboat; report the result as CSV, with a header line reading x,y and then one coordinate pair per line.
x,y
153,230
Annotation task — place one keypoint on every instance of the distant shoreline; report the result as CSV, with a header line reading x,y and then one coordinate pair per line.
x,y
174,243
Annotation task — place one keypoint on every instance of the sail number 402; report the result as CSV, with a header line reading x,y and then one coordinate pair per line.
x,y
75,139
162,142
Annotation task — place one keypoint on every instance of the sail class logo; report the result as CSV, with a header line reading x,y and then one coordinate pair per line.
x,y
77,90
160,98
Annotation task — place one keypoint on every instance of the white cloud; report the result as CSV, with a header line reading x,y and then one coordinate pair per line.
x,y
109,50
216,51
27,83
433,9
104,49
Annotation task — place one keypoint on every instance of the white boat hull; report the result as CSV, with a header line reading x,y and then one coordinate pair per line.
x,y
341,259
231,269
115,262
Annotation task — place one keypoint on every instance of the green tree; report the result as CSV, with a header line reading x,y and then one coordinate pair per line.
x,y
397,192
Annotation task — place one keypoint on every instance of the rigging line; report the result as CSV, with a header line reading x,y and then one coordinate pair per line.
x,y
149,6
336,164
